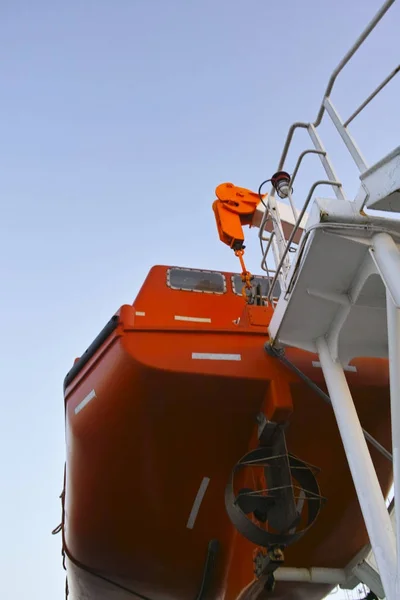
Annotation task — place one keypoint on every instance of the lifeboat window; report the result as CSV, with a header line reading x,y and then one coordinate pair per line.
x,y
196,281
237,285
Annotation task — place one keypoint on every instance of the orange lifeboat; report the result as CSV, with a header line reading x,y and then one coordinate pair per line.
x,y
174,417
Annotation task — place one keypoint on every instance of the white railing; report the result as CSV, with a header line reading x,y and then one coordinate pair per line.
x,y
276,241
297,225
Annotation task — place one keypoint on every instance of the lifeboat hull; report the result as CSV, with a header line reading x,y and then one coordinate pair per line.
x,y
156,419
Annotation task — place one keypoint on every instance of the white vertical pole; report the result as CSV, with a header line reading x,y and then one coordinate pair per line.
x,y
366,482
393,321
386,256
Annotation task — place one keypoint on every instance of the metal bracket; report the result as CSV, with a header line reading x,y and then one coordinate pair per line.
x,y
266,563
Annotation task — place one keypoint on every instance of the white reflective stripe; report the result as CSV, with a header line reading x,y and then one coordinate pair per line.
x,y
197,502
212,356
85,401
139,313
350,368
193,319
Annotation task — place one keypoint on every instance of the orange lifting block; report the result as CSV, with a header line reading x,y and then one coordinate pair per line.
x,y
234,207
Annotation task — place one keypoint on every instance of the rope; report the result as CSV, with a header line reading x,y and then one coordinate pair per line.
x,y
65,552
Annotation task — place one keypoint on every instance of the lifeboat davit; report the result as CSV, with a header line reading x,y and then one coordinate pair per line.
x,y
189,445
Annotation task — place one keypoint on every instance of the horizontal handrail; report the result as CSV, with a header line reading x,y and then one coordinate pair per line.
x,y
264,220
297,225
271,212
372,96
263,263
289,138
371,25
299,160
362,37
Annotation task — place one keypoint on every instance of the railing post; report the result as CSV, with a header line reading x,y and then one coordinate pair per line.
x,y
326,163
279,242
345,135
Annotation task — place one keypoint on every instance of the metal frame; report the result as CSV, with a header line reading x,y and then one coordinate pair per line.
x,y
372,96
312,575
326,163
345,135
239,292
172,287
393,317
372,502
297,225
387,259
277,240
360,40
385,542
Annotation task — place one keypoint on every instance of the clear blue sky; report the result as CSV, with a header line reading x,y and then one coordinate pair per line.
x,y
118,120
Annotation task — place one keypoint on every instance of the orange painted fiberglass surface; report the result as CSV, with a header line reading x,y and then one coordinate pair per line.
x,y
167,404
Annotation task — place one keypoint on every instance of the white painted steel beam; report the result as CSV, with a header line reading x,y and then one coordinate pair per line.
x,y
364,573
393,319
387,259
345,135
366,482
312,575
